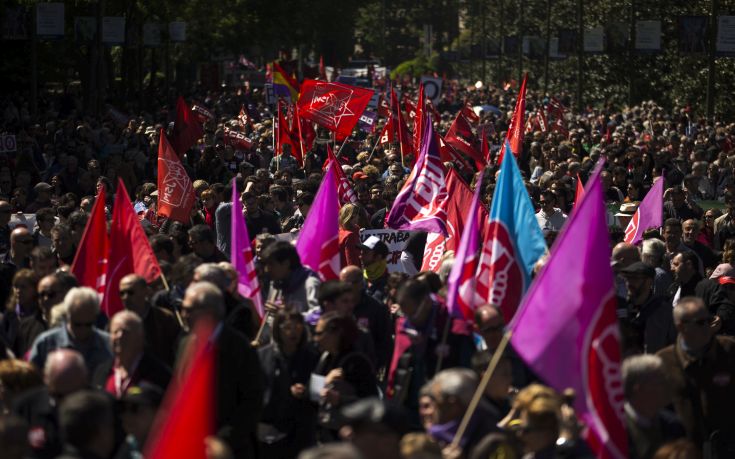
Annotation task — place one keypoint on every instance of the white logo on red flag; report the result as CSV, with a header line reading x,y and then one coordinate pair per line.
x,y
175,183
327,106
500,280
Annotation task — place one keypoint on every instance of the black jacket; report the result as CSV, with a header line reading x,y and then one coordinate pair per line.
x,y
149,369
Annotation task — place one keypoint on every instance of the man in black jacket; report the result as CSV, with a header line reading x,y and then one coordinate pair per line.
x,y
239,378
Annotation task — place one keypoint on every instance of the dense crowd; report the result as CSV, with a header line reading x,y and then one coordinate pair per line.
x,y
371,365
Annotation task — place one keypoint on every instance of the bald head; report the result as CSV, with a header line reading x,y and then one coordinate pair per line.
x,y
353,276
134,293
624,255
21,242
127,337
489,323
64,372
202,299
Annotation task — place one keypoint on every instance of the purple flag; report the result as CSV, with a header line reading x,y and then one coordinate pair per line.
x,y
318,243
650,213
241,254
461,283
573,341
421,203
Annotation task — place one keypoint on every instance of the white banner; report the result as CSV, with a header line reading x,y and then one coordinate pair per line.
x,y
113,30
50,19
395,240
648,35
725,35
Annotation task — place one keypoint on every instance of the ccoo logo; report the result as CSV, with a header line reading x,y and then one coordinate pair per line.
x,y
500,280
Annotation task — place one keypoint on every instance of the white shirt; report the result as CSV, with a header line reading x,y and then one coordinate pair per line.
x,y
551,222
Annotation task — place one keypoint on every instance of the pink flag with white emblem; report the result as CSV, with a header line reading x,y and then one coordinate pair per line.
x,y
420,205
241,254
566,328
318,243
650,213
461,283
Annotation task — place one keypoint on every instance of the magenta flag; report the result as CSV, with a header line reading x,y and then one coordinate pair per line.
x,y
650,213
241,254
318,243
566,328
420,203
461,283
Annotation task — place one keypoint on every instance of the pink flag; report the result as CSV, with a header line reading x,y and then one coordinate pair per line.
x,y
566,328
241,254
420,203
650,213
461,283
318,243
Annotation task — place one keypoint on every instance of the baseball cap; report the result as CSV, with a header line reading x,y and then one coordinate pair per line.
x,y
374,243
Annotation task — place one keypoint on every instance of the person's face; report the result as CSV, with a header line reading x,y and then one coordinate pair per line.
x,y
446,408
546,203
277,270
81,322
427,409
61,242
672,235
210,202
44,266
251,205
682,270
133,295
191,311
25,291
22,243
124,338
709,219
86,205
490,327
291,332
638,287
633,192
695,327
677,199
46,223
49,293
368,257
326,340
690,231
344,304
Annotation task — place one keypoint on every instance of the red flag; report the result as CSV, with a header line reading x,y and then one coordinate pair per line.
x,y
344,190
515,131
579,193
130,251
202,114
322,69
284,133
384,107
461,137
187,129
470,114
187,416
305,128
409,108
399,125
243,118
334,106
237,139
418,122
90,261
175,191
541,120
449,154
457,214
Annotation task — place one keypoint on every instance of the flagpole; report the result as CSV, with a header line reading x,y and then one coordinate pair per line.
x,y
481,388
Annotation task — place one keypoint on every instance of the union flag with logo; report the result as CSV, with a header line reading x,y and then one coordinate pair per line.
x,y
513,242
175,189
333,106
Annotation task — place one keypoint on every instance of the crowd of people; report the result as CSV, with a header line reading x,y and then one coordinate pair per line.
x,y
371,365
